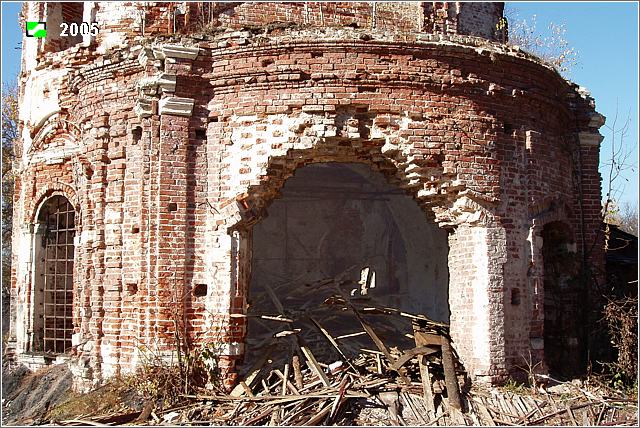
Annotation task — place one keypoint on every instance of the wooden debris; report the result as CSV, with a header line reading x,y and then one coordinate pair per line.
x,y
297,374
410,354
332,341
314,364
246,388
484,414
426,386
450,375
284,376
253,373
306,372
146,412
379,344
83,422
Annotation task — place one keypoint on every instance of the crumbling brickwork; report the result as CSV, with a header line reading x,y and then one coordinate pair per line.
x,y
174,128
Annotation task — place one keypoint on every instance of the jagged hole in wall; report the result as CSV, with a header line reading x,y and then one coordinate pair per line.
x,y
344,222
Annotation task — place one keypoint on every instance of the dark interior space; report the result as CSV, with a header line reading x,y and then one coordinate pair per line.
x,y
53,296
562,293
341,230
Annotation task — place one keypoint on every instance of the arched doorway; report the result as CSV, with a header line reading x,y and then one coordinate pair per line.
x,y
53,281
344,223
562,314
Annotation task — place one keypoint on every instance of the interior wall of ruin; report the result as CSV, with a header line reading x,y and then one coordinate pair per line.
x,y
333,221
342,225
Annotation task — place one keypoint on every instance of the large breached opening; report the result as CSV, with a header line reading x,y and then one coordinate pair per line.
x,y
341,230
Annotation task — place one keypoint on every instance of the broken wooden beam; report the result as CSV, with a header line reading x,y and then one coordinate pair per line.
x,y
450,378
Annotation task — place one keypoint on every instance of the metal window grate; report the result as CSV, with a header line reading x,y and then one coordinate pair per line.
x,y
58,280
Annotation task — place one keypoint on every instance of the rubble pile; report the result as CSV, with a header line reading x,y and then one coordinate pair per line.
x,y
289,382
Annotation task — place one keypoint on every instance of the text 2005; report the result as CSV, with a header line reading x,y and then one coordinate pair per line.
x,y
79,28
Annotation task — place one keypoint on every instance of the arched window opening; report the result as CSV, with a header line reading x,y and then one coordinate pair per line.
x,y
53,320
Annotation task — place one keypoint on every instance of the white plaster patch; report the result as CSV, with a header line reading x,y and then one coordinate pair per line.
x,y
108,360
481,327
110,40
75,339
40,100
55,155
113,214
233,348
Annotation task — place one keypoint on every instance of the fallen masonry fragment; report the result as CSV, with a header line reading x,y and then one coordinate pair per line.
x,y
192,161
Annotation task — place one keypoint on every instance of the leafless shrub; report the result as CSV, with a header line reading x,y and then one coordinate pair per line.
x,y
165,379
531,369
166,383
156,381
553,49
621,317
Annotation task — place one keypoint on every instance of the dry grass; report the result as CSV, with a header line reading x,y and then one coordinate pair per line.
x,y
114,397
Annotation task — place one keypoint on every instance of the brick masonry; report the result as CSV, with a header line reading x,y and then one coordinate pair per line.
x,y
174,128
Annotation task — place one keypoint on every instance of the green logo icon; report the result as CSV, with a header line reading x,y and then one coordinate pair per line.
x,y
36,29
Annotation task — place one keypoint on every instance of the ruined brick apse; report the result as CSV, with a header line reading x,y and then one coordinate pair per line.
x,y
185,156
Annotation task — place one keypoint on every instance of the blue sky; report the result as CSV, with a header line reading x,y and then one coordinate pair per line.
x,y
605,34
11,39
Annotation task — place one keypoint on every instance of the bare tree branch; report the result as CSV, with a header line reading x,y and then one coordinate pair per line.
x,y
9,137
554,49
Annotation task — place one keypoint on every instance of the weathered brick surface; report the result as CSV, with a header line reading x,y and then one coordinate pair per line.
x,y
171,148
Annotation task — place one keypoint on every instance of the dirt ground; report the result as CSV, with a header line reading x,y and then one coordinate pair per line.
x,y
27,396
45,397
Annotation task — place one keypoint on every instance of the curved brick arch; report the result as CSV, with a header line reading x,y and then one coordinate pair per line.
x,y
55,126
422,175
552,209
48,191
447,209
257,198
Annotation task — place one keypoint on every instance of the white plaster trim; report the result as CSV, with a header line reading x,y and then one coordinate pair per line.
x,y
176,106
590,138
167,82
143,107
178,51
597,120
42,121
54,156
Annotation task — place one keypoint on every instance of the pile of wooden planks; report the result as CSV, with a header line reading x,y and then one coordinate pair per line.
x,y
302,389
498,407
308,370
305,391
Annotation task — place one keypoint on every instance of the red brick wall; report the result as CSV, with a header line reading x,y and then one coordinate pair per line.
x,y
130,20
